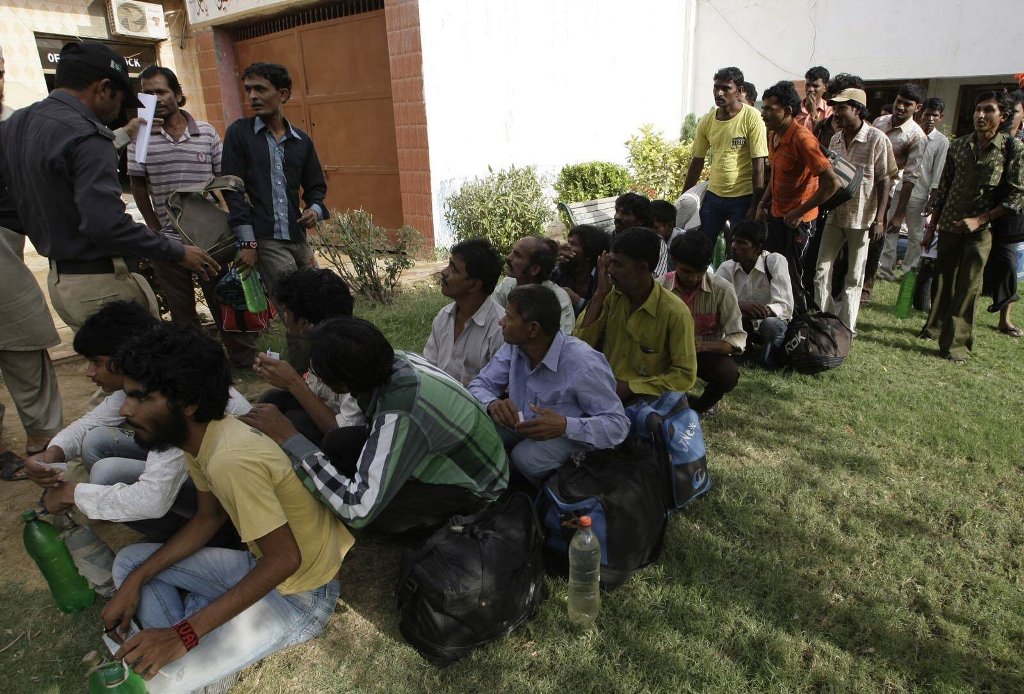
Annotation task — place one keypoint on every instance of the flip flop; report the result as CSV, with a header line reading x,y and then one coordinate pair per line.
x,y
1012,331
13,469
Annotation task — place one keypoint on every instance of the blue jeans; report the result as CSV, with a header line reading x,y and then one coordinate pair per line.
x,y
111,442
535,460
275,622
771,333
715,211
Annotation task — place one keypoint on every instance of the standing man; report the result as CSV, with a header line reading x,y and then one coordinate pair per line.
x,y
981,181
908,145
68,195
276,160
868,148
734,134
814,109
801,178
183,153
28,331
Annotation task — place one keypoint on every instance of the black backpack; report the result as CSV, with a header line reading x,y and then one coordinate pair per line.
x,y
623,492
473,581
816,342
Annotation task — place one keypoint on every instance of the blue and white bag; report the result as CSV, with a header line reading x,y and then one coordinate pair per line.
x,y
673,428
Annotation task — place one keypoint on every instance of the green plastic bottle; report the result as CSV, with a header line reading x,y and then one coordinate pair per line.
x,y
905,299
115,677
719,256
42,542
255,297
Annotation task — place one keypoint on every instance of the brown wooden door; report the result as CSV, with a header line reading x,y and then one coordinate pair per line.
x,y
341,96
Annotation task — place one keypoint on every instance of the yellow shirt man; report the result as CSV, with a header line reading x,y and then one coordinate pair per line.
x,y
733,144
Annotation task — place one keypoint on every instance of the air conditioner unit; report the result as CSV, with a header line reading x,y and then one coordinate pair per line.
x,y
142,20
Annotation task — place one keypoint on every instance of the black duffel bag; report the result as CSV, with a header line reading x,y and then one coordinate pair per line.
x,y
473,581
816,341
624,492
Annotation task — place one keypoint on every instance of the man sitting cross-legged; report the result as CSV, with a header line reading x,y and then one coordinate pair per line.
x,y
146,489
561,392
307,297
430,452
763,287
207,612
531,261
717,322
644,330
465,334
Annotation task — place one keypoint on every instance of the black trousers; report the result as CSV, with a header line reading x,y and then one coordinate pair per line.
x,y
1000,278
720,374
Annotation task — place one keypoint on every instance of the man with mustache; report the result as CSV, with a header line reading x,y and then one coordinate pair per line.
x,y
276,160
531,261
182,153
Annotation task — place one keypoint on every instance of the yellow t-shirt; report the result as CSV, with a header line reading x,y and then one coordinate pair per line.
x,y
733,144
253,480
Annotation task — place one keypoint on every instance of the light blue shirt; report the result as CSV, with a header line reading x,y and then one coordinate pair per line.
x,y
573,379
277,181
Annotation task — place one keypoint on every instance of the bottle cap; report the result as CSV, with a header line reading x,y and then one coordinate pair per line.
x,y
584,521
29,515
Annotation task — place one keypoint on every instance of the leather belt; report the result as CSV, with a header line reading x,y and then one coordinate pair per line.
x,y
100,266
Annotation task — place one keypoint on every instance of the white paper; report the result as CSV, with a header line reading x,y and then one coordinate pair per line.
x,y
148,111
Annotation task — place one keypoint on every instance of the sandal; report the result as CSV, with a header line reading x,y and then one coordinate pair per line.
x,y
958,361
13,469
1011,330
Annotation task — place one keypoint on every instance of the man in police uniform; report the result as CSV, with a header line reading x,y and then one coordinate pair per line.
x,y
57,159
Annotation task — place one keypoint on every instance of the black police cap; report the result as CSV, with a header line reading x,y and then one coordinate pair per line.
x,y
106,61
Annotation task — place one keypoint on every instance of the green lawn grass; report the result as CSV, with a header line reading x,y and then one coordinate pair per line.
x,y
863,534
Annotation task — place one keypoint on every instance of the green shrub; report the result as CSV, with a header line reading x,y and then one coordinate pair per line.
x,y
503,207
658,165
364,254
590,181
689,129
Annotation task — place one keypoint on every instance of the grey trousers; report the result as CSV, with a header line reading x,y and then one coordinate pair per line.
x,y
277,259
32,383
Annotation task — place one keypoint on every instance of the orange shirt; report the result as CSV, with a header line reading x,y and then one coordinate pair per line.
x,y
796,162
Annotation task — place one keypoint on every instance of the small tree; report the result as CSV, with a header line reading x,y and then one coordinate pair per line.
x,y
362,252
658,165
591,180
502,207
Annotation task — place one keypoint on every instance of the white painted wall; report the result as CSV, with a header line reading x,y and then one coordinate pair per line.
x,y
771,40
544,82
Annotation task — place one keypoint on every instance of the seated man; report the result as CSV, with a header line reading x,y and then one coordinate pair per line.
x,y
576,271
644,330
307,297
762,284
430,452
465,334
561,392
146,489
530,262
206,613
663,221
717,322
632,210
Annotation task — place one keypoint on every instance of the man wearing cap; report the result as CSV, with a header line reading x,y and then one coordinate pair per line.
x,y
67,193
869,149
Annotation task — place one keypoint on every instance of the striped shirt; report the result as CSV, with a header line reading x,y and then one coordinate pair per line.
x,y
424,426
171,165
871,151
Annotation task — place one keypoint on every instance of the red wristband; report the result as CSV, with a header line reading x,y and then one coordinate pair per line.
x,y
187,634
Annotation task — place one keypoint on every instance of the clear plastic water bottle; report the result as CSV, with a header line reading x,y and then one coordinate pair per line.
x,y
584,576
92,557
42,542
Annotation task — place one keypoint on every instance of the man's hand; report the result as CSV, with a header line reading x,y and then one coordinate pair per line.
x,y
268,419
604,283
248,258
761,213
309,217
199,261
548,424
60,499
749,309
573,296
132,127
877,230
565,253
810,105
623,390
504,413
151,649
38,470
117,615
793,218
926,242
972,223
276,372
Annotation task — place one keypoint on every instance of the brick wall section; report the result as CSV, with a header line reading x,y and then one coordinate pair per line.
x,y
218,75
403,25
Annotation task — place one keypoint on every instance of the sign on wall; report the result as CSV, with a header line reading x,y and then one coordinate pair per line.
x,y
137,56
202,12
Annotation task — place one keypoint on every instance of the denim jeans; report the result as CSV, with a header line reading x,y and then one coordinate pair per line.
x,y
715,211
275,622
111,442
535,460
771,333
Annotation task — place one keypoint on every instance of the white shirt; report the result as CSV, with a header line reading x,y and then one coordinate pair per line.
x,y
479,340
688,207
344,406
152,495
931,166
755,287
568,321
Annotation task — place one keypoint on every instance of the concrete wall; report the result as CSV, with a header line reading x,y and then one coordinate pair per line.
x,y
20,20
544,82
772,40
